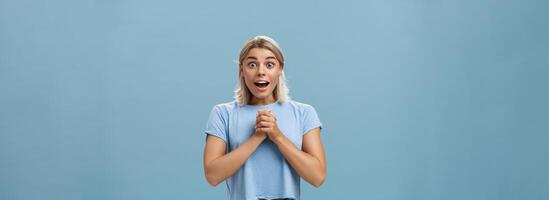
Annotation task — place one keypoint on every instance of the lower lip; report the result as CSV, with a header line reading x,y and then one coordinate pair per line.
x,y
262,89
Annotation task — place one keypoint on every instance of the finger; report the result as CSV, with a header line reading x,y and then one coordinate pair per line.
x,y
263,114
261,125
264,124
259,117
266,130
258,122
268,113
265,118
259,112
272,115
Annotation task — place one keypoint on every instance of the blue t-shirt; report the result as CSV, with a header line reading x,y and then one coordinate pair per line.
x,y
266,174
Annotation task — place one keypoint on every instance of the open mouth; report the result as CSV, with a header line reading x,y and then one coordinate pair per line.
x,y
261,84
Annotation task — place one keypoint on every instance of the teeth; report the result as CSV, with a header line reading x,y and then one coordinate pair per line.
x,y
261,82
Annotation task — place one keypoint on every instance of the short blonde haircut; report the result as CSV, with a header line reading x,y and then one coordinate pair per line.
x,y
242,92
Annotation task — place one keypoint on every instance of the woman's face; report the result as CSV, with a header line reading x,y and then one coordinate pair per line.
x,y
261,71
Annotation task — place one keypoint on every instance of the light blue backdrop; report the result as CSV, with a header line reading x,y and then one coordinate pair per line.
x,y
419,99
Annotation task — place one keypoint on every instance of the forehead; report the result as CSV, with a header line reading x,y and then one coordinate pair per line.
x,y
260,53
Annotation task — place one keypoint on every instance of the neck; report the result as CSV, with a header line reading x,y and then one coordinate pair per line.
x,y
264,101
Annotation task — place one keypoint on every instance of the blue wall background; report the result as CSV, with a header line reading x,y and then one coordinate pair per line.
x,y
419,99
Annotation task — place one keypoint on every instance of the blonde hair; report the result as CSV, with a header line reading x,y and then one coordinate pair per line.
x,y
242,92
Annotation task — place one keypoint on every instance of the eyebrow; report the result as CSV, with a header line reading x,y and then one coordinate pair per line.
x,y
254,58
251,57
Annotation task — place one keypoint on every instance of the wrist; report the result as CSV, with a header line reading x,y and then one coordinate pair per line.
x,y
260,136
278,138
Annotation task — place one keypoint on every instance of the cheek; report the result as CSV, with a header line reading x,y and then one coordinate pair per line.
x,y
246,77
248,83
275,77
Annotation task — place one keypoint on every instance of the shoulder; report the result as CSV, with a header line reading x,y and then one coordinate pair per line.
x,y
226,105
299,106
306,113
225,108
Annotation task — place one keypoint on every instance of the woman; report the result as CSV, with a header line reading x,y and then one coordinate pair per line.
x,y
262,143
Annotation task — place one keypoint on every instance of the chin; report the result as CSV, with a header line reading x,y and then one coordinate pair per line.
x,y
262,95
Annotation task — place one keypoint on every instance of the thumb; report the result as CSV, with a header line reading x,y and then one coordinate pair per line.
x,y
271,113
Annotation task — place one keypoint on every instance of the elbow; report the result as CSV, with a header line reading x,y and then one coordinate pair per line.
x,y
317,183
211,177
212,180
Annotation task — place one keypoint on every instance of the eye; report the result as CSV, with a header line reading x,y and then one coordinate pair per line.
x,y
252,65
270,65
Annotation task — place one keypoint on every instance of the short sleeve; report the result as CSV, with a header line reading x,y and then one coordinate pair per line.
x,y
217,124
310,119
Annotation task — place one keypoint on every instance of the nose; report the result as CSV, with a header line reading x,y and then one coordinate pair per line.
x,y
261,70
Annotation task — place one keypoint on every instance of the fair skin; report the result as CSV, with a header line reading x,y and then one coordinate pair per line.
x,y
261,66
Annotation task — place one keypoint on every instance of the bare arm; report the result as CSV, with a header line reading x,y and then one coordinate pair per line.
x,y
219,165
309,162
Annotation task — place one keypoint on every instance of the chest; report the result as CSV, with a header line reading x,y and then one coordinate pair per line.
x,y
242,127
